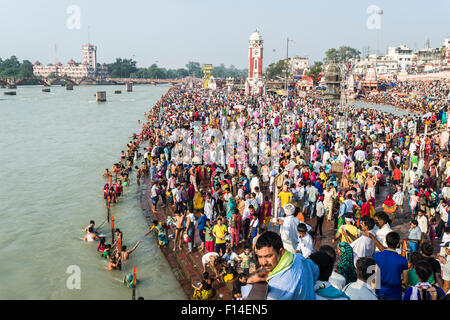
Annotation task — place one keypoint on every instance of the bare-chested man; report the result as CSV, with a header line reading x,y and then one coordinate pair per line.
x,y
179,228
125,254
369,186
107,173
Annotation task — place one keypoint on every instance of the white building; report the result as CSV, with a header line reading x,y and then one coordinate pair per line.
x,y
87,69
298,65
384,64
446,64
403,55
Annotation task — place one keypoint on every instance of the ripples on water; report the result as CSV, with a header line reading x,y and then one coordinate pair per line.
x,y
54,148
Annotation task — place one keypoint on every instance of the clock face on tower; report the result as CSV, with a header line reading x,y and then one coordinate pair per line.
x,y
256,53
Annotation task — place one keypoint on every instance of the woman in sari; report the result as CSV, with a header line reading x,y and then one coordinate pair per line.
x,y
346,266
160,227
390,207
204,290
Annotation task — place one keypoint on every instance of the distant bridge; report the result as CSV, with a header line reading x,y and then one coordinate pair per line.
x,y
146,80
50,81
44,81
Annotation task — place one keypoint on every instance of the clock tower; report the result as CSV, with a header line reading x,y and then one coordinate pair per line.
x,y
254,83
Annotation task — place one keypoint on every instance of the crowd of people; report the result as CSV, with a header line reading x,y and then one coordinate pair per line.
x,y
255,204
419,97
116,252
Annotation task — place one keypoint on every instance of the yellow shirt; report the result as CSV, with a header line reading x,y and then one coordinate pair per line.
x,y
285,197
220,232
351,229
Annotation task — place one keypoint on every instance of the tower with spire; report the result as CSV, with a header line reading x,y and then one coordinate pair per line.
x,y
254,84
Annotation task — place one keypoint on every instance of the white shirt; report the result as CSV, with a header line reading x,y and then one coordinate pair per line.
x,y
154,191
254,183
320,209
337,280
423,223
177,195
363,247
305,245
259,198
360,155
359,290
208,209
381,234
207,257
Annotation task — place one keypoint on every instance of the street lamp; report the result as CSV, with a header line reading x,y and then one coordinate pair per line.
x,y
287,66
379,12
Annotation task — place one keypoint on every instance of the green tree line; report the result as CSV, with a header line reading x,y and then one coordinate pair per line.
x,y
277,70
126,68
13,68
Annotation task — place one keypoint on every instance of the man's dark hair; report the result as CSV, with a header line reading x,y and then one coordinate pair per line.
x,y
269,239
392,240
414,222
369,222
301,227
91,222
384,217
329,251
362,267
325,264
415,257
423,270
242,276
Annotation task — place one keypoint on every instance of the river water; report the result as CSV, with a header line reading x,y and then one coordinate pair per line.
x,y
54,148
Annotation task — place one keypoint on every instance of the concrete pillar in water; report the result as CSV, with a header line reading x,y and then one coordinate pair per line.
x,y
129,86
101,96
69,86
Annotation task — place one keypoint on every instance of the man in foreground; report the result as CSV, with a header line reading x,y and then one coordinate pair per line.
x,y
289,276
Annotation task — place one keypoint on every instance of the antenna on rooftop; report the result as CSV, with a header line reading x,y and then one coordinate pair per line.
x,y
56,55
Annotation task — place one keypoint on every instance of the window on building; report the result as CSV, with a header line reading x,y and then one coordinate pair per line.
x,y
255,64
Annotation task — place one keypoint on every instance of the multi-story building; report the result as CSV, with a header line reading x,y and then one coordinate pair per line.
x,y
298,65
403,55
88,69
383,64
446,63
428,59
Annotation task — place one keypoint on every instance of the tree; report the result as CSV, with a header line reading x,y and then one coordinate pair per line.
x,y
315,70
344,53
181,73
275,70
26,69
331,55
122,68
194,69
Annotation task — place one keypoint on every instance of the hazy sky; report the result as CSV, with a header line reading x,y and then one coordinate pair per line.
x,y
174,32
